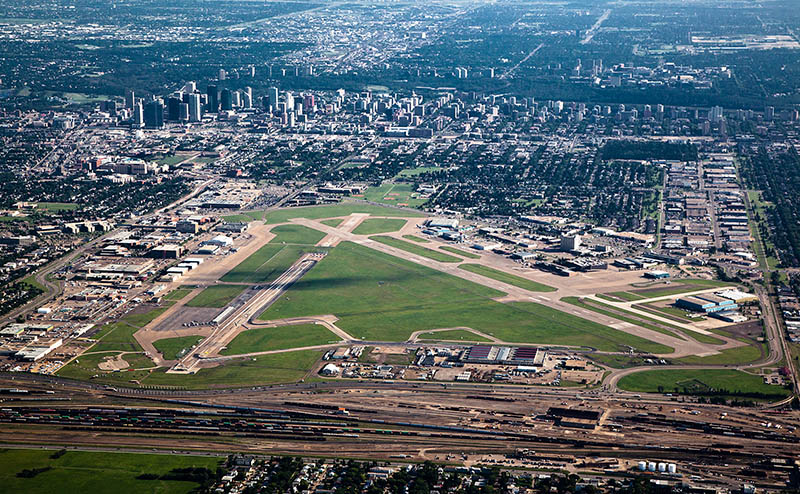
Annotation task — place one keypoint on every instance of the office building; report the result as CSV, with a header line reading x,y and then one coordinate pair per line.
x,y
154,115
130,98
212,105
138,115
195,110
173,109
272,98
226,100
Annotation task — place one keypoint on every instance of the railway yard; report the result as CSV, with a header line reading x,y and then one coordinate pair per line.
x,y
525,428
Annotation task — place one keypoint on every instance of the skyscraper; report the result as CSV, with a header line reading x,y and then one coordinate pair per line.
x,y
154,115
138,115
183,112
130,98
272,96
195,114
226,100
173,109
247,97
189,87
213,99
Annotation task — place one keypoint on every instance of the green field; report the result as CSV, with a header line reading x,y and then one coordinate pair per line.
x,y
677,287
395,297
622,315
371,226
280,338
334,211
627,296
265,369
174,348
57,206
413,172
415,249
737,355
117,336
453,335
296,234
334,222
267,263
693,381
31,280
395,194
459,252
143,318
504,277
86,367
178,294
96,472
216,296
416,239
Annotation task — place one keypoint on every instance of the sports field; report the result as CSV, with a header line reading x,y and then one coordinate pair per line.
x,y
724,381
335,211
395,297
280,338
415,249
395,194
95,473
511,279
371,226
216,296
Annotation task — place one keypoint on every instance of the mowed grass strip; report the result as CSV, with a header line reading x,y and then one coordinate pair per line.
x,y
178,294
699,381
737,355
416,239
296,234
96,472
622,315
216,296
509,278
453,335
264,369
677,287
371,226
280,338
415,249
335,211
380,297
174,348
459,252
267,263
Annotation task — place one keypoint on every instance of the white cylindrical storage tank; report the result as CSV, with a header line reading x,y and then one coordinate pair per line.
x,y
662,467
642,466
651,466
672,468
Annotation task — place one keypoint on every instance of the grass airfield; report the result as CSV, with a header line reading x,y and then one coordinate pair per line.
x,y
378,283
